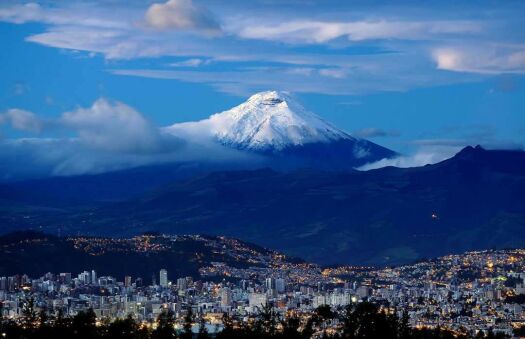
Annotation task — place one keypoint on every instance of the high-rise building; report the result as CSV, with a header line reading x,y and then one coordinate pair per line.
x,y
226,297
364,291
163,278
270,283
127,281
11,284
182,283
244,284
85,277
280,285
65,277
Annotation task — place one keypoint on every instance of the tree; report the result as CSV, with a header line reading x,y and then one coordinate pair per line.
x,y
122,329
187,333
62,326
520,331
84,325
322,315
365,321
45,328
227,331
325,312
403,328
203,332
291,328
268,320
165,329
308,329
29,316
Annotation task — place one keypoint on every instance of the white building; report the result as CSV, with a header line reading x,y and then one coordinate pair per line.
x,y
163,278
257,299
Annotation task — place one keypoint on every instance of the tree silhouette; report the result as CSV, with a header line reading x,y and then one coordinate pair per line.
x,y
122,329
84,325
291,328
29,316
268,320
359,321
403,328
165,326
227,330
203,332
187,333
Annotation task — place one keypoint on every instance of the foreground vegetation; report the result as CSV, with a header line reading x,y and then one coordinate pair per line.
x,y
361,321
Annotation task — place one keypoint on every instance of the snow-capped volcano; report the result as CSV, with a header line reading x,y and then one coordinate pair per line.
x,y
273,123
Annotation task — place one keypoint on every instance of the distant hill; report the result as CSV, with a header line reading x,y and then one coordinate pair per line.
x,y
474,200
101,188
35,254
391,215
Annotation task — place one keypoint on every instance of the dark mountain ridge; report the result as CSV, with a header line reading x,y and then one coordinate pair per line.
x,y
36,253
474,200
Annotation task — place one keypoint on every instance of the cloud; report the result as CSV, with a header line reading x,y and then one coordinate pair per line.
x,y
490,58
83,15
360,79
22,13
305,31
375,132
431,151
20,88
337,73
114,44
423,156
21,120
360,50
114,126
107,136
25,158
182,15
195,62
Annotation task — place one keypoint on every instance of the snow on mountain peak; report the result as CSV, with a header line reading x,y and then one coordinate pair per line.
x,y
271,120
267,121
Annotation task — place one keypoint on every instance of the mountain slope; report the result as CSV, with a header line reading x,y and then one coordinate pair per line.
x,y
273,124
391,215
36,253
96,189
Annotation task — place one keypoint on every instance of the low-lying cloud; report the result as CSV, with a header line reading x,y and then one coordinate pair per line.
x,y
107,136
22,120
423,156
431,151
115,126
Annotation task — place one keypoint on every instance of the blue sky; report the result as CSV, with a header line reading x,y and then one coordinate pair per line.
x,y
423,80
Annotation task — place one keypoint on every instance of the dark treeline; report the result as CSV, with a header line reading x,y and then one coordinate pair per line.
x,y
361,321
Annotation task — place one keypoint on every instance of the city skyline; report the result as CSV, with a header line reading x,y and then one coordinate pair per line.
x,y
461,293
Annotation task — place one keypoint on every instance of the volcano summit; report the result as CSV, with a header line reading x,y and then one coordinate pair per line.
x,y
273,124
